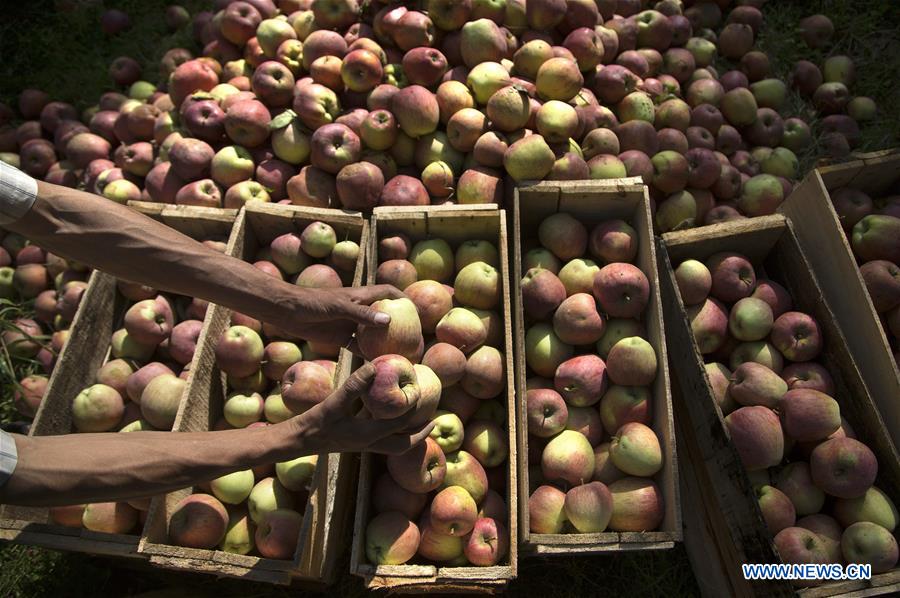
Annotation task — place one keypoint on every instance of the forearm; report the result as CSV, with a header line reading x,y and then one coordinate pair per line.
x,y
81,468
132,246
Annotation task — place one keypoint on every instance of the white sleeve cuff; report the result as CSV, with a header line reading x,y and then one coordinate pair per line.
x,y
17,193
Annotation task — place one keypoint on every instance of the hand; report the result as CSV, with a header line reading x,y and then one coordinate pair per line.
x,y
331,316
332,427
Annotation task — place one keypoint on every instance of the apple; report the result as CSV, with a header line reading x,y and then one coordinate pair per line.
x,y
98,408
239,351
755,384
874,506
546,510
547,412
485,374
404,190
462,329
402,336
387,496
529,158
816,30
872,235
453,511
437,546
637,505
797,336
568,457
589,507
577,322
542,293
138,381
268,495
161,399
277,533
304,385
419,470
447,431
797,545
829,532
622,290
488,543
544,351
632,361
621,405
582,380
635,450
233,488
866,542
843,467
447,362
485,441
777,509
315,104
795,481
464,470
391,539
198,521
757,436
394,390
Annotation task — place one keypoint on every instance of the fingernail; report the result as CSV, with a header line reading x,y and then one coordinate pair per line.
x,y
382,318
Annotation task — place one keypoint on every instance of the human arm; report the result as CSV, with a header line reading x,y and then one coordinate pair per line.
x,y
81,468
134,247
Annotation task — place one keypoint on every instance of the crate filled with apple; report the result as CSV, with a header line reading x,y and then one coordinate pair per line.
x,y
127,369
442,516
593,399
851,213
275,522
790,444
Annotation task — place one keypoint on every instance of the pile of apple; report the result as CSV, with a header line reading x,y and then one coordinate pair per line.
x,y
350,104
813,479
829,90
50,286
873,234
590,373
270,377
441,502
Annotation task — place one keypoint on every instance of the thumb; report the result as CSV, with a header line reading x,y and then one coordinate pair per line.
x,y
368,316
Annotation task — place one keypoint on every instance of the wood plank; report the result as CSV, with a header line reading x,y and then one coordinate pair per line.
x,y
591,204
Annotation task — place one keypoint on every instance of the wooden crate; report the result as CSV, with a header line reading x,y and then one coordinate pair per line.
x,y
326,510
454,224
593,202
99,315
152,208
724,526
828,251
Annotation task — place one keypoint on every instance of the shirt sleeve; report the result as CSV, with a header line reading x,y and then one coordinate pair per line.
x,y
17,193
9,456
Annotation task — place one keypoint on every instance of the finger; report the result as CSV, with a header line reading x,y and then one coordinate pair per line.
x,y
366,315
358,382
399,443
378,292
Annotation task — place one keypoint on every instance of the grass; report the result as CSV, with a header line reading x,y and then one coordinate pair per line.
x,y
67,55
